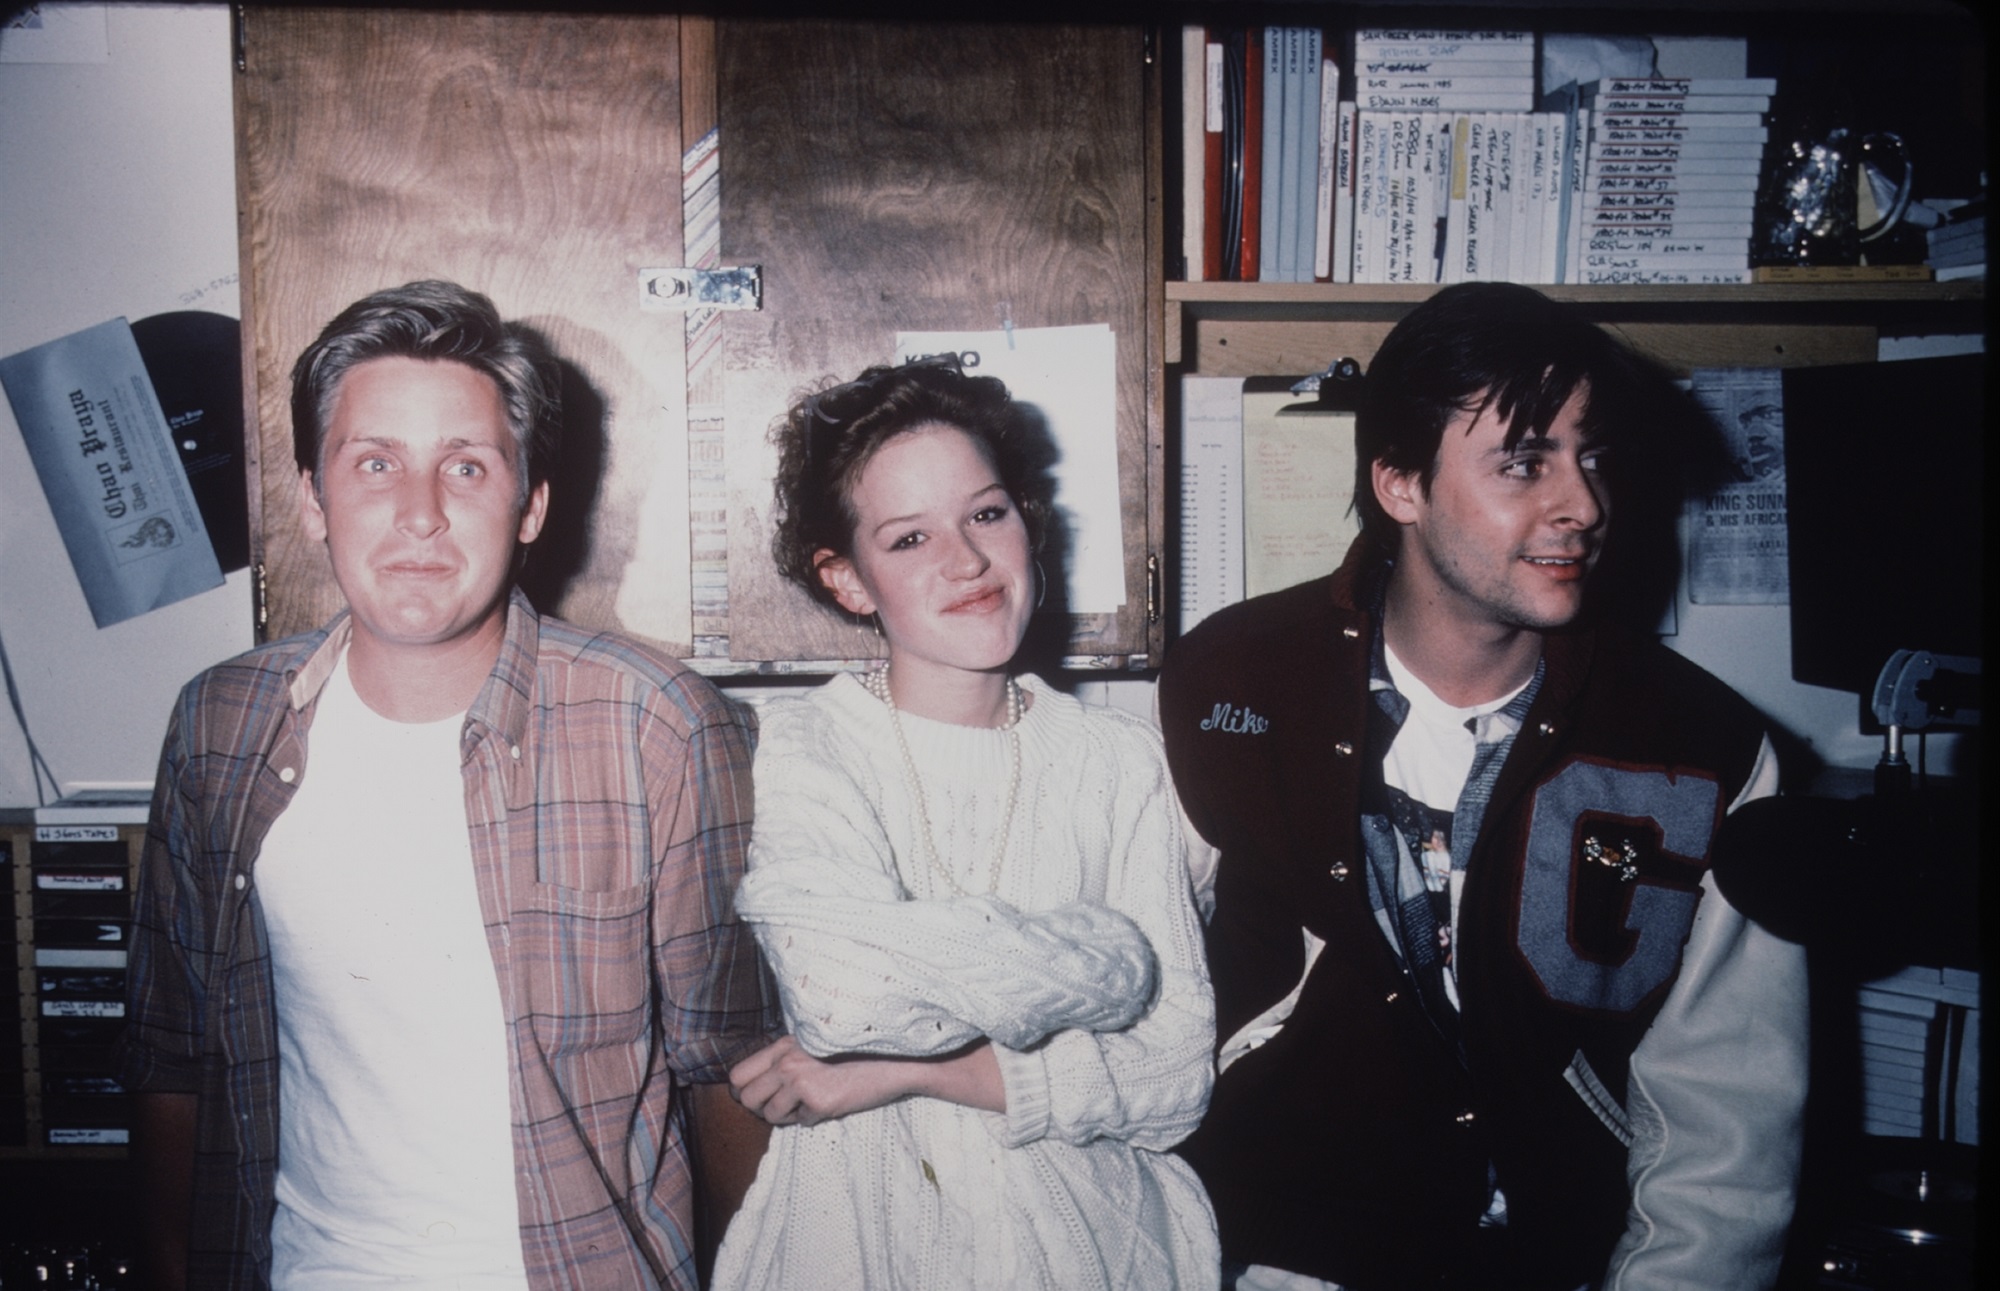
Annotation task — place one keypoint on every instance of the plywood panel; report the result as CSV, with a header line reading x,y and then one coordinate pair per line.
x,y
1249,347
1254,347
534,157
1685,346
926,176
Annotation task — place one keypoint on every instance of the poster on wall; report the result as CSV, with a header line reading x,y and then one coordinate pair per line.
x,y
100,444
1737,535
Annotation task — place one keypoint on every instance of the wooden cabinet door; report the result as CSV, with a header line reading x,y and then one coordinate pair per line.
x,y
885,176
535,157
930,176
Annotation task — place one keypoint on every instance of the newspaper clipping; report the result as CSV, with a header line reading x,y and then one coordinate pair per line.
x,y
1737,535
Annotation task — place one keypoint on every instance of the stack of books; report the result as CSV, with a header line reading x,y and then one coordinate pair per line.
x,y
1424,164
1435,167
1958,246
1444,71
1919,1054
1452,172
1258,133
1300,86
1670,184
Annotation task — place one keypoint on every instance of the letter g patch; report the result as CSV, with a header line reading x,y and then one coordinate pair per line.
x,y
1680,811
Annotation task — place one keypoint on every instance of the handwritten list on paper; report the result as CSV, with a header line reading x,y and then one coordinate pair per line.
x,y
1298,479
1211,552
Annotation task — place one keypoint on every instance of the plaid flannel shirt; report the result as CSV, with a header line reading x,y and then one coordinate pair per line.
x,y
608,799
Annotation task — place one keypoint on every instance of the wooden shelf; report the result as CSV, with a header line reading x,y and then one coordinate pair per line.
x,y
1244,328
1215,298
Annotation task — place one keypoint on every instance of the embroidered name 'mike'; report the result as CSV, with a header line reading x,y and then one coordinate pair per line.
x,y
1235,721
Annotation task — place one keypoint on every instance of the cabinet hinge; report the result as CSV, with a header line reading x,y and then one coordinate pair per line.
x,y
1152,587
260,601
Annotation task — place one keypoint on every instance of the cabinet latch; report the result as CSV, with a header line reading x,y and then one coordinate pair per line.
x,y
673,290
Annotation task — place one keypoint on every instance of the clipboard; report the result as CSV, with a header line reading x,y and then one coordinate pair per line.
x,y
1298,476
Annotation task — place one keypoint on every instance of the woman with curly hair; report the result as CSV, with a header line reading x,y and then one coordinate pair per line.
x,y
973,892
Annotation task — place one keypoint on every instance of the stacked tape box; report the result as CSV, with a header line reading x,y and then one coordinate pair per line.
x,y
70,889
1670,182
1919,1054
1957,247
1453,173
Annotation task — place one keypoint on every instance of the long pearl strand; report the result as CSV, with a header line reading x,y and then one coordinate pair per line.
x,y
877,684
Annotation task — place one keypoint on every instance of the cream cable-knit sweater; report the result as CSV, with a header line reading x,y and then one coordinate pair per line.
x,y
1084,969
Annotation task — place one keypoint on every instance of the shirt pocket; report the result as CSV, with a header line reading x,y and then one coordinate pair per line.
x,y
584,960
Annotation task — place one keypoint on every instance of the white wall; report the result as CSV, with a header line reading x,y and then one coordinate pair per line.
x,y
1750,647
117,198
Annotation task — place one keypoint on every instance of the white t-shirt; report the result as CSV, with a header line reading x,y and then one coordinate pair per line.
x,y
396,1161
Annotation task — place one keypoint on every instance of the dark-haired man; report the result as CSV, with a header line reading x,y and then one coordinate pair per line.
x,y
435,974
1486,1019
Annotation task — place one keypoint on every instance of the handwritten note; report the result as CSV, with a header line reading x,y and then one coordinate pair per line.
x,y
1298,478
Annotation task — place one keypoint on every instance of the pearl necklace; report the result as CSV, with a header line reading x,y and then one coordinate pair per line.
x,y
877,684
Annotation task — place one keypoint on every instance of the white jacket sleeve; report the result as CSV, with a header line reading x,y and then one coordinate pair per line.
x,y
1715,1098
861,968
1149,1083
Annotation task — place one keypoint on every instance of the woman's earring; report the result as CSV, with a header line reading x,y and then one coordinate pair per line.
x,y
1041,585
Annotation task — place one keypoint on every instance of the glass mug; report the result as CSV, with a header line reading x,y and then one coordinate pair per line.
x,y
1825,194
